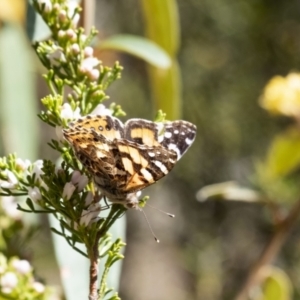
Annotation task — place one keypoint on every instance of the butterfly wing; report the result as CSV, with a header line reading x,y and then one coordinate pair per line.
x,y
110,127
178,136
142,132
144,164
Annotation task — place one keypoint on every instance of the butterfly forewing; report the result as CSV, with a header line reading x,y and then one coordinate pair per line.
x,y
178,136
111,128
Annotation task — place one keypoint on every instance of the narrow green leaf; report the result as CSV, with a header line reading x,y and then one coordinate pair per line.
x,y
166,90
140,47
30,204
162,23
164,30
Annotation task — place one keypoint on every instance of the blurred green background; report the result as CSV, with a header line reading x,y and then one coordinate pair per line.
x,y
228,51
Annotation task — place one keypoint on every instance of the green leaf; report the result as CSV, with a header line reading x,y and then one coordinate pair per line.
x,y
140,47
276,286
166,90
164,27
30,204
164,30
284,154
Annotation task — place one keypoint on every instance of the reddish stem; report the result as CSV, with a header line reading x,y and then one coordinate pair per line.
x,y
94,256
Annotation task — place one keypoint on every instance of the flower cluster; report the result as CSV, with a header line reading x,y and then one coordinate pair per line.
x,y
282,95
16,279
70,59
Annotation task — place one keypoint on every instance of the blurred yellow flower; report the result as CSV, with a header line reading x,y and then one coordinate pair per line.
x,y
282,95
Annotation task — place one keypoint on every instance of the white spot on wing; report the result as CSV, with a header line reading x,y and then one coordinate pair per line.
x,y
168,134
147,175
188,141
176,131
174,148
161,166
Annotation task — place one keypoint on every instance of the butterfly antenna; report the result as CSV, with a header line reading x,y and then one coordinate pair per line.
x,y
162,211
156,239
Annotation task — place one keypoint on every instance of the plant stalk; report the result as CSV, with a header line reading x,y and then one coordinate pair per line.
x,y
94,260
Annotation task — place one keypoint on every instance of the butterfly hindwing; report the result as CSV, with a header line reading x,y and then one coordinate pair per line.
x,y
144,164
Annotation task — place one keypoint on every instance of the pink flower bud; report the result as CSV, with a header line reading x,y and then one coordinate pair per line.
x,y
68,191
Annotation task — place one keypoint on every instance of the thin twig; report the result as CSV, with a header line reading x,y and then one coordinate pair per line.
x,y
270,252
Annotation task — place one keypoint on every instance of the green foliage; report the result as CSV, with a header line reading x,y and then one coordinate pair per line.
x,y
139,47
164,30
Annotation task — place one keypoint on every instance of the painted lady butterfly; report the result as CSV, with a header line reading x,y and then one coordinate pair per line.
x,y
125,158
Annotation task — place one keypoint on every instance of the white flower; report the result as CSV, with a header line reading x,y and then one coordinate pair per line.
x,y
34,194
75,20
61,34
22,266
88,199
23,164
68,191
8,282
56,57
72,5
79,180
62,15
88,51
46,5
11,181
93,74
37,169
101,110
88,64
68,114
10,207
38,287
75,49
90,215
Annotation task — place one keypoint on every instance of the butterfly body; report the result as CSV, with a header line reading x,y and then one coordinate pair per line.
x,y
125,159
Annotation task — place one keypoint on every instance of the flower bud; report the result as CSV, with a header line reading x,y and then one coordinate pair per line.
x,y
8,282
88,51
75,49
22,266
68,191
79,180
38,287
45,5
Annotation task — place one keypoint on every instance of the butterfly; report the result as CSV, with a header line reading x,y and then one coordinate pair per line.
x,y
123,159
